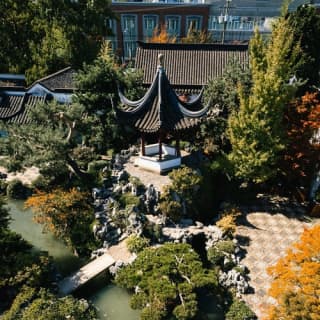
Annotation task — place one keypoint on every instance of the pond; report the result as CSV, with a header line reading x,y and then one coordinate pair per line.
x,y
111,301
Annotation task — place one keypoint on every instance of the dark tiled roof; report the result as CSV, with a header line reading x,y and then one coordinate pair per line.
x,y
188,64
61,80
161,109
14,80
15,108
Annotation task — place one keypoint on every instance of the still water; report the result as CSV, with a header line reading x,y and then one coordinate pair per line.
x,y
111,301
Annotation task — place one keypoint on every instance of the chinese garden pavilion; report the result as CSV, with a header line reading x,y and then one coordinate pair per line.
x,y
160,112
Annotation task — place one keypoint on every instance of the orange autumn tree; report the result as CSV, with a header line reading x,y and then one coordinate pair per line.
x,y
67,214
300,158
296,284
161,35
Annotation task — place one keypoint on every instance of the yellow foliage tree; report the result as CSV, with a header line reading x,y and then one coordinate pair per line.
x,y
161,35
197,36
296,285
67,214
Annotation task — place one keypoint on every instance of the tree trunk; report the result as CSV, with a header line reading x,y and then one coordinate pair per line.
x,y
75,168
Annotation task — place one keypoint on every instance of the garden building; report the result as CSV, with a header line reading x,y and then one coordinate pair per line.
x,y
191,65
163,114
16,101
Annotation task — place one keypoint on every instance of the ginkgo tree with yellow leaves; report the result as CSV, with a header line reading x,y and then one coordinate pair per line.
x,y
256,131
296,284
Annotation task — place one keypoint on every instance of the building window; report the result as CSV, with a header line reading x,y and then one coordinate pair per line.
x,y
173,25
129,28
236,23
112,32
150,22
214,23
194,22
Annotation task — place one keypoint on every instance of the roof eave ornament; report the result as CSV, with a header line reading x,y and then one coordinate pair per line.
x,y
160,61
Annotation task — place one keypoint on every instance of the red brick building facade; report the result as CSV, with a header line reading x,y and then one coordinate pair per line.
x,y
136,22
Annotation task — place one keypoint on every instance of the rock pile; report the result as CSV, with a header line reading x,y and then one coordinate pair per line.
x,y
116,221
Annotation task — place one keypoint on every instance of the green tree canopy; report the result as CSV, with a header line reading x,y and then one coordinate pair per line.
x,y
256,132
63,139
223,95
166,281
178,198
40,304
19,264
40,37
305,24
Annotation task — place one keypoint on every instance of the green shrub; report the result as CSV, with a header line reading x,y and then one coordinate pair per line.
x,y
3,186
40,183
220,250
153,231
97,166
243,271
136,243
13,165
240,311
226,246
171,209
215,256
98,176
128,199
137,183
185,185
17,190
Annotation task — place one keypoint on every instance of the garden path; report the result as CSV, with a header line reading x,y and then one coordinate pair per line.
x,y
266,235
26,177
114,253
146,177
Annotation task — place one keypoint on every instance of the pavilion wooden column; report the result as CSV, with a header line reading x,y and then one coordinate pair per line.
x,y
160,145
178,151
143,146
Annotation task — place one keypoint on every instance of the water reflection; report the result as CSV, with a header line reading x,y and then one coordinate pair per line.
x,y
23,224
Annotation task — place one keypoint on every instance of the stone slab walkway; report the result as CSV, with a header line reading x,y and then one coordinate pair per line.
x,y
266,236
95,267
87,272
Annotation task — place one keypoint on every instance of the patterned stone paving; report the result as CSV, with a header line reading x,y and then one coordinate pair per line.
x,y
265,237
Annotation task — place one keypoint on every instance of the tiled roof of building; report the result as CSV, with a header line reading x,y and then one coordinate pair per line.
x,y
161,109
16,102
61,80
191,65
15,108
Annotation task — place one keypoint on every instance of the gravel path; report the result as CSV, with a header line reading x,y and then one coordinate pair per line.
x,y
146,177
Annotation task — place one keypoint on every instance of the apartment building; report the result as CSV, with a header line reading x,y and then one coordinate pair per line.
x,y
226,20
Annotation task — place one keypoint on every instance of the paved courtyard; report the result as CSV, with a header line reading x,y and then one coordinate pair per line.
x,y
146,177
265,236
